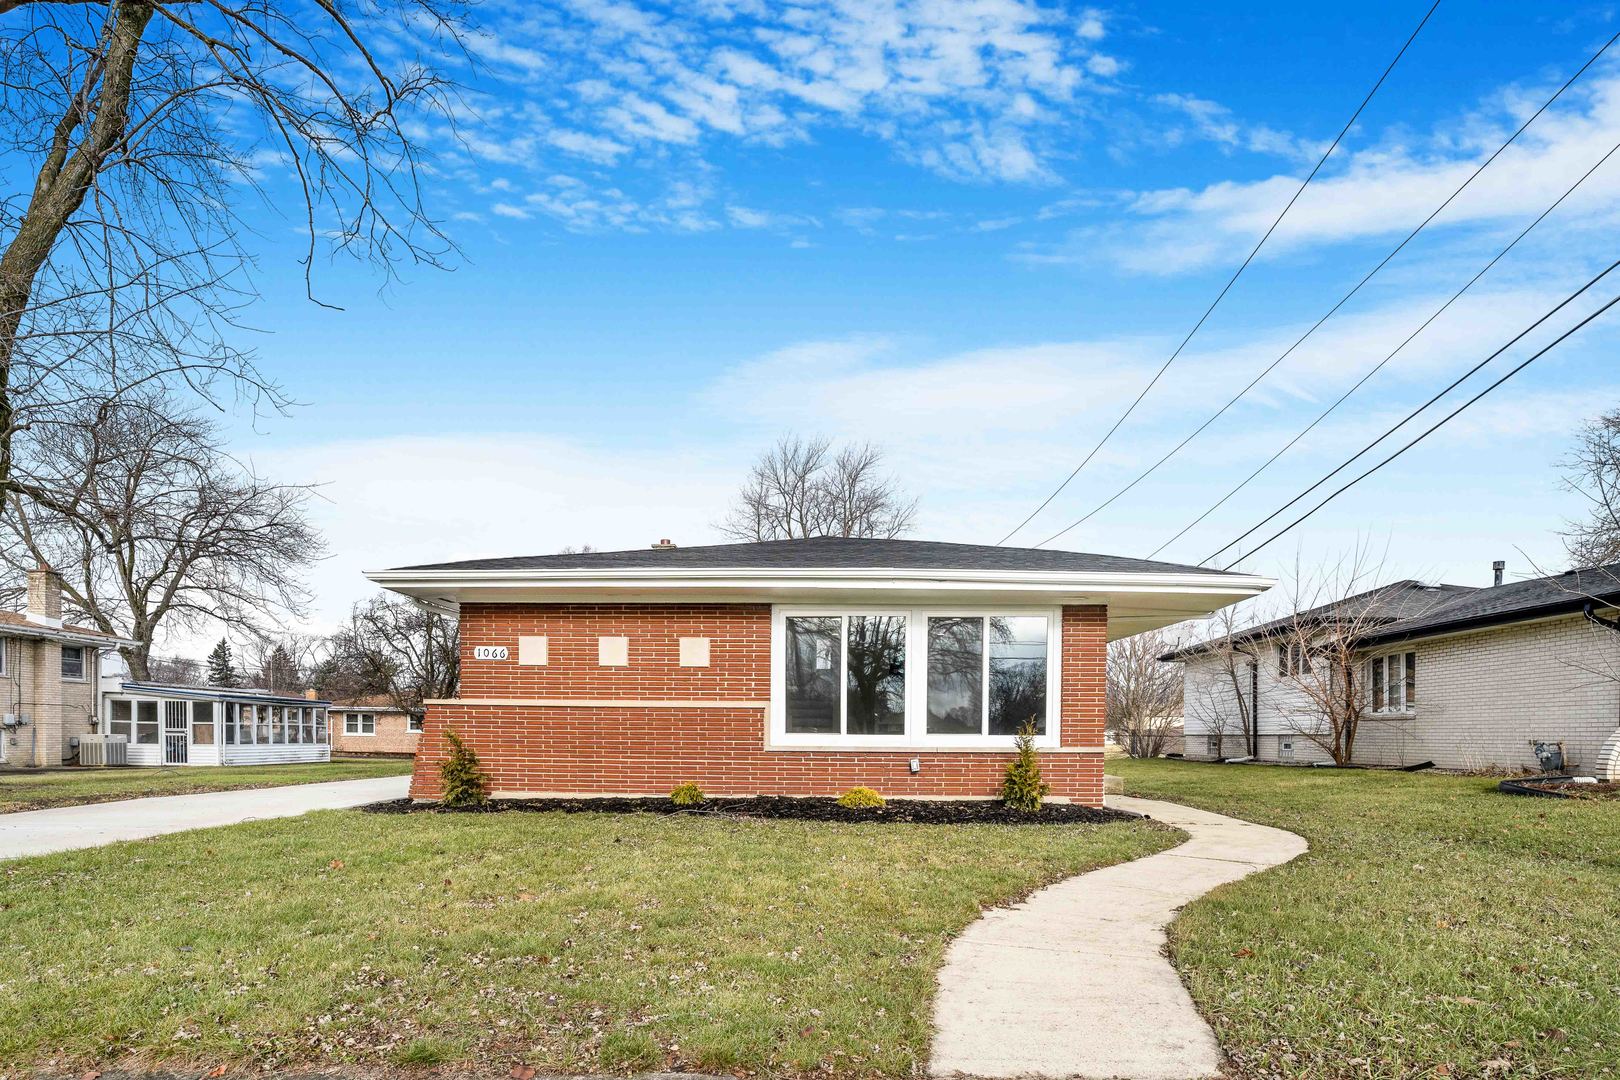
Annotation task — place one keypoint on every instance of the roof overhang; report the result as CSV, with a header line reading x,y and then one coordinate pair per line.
x,y
1136,601
213,693
66,636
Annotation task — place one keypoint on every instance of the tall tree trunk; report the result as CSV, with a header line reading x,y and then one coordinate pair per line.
x,y
63,181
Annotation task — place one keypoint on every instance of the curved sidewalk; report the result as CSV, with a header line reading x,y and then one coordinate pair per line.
x,y
66,828
1074,981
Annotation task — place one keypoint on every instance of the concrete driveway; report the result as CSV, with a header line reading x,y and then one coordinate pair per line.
x,y
66,828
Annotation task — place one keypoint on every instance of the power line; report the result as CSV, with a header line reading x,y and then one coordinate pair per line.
x,y
1230,281
1376,368
1150,470
1441,423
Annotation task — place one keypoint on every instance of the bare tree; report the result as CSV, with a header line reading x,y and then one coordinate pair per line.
x,y
133,131
1144,693
1319,646
153,528
412,651
802,488
1592,470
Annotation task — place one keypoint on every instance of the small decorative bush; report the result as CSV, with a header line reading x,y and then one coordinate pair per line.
x,y
861,798
465,782
1022,788
687,794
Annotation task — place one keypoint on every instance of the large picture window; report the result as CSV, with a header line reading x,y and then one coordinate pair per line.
x,y
915,677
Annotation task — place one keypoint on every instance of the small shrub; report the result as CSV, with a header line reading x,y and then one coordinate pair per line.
x,y
861,798
1023,789
687,794
465,782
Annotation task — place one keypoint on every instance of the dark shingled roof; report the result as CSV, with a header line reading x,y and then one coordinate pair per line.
x,y
829,553
1536,598
1386,605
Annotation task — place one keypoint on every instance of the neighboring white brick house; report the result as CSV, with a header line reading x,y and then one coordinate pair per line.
x,y
1496,670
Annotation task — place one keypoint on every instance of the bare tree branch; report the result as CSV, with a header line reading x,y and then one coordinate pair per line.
x,y
801,488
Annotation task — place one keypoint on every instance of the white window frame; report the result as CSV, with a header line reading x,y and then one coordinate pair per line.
x,y
1387,662
359,731
84,663
414,724
916,690
5,657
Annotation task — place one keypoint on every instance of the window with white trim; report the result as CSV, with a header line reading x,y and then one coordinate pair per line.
x,y
413,722
1292,660
360,723
913,676
1392,683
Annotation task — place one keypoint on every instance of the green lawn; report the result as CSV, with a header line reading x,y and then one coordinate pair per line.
x,y
574,943
1436,928
72,787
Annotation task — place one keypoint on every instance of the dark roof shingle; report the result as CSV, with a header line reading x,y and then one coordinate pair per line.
x,y
1516,602
830,553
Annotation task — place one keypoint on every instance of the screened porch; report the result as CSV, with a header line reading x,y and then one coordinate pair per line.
x,y
174,725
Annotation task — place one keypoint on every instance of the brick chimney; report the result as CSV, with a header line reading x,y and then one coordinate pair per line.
x,y
311,695
45,596
662,544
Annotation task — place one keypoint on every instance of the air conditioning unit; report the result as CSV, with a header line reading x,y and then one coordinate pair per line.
x,y
104,750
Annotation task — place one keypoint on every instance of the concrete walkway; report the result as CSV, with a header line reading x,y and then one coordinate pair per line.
x,y
1074,981
65,828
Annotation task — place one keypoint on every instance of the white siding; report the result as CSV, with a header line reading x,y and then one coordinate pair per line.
x,y
277,753
1482,699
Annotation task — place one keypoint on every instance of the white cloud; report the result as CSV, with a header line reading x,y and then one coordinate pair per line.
x,y
1389,187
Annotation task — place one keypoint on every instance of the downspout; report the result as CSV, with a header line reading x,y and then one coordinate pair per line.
x,y
1254,707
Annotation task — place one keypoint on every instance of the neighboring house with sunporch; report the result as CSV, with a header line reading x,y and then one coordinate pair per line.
x,y
374,725
1468,678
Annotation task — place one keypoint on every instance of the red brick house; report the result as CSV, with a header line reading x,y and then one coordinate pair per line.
x,y
374,725
801,667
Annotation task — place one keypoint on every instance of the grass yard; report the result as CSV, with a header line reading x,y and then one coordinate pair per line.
x,y
572,943
75,787
1435,929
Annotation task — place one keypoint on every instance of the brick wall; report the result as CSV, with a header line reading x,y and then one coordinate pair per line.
x,y
57,708
391,737
708,724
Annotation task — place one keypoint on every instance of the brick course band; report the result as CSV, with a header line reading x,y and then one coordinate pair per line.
x,y
648,726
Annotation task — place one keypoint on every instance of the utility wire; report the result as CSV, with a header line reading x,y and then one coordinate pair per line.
x,y
1151,469
1409,416
1230,281
1376,368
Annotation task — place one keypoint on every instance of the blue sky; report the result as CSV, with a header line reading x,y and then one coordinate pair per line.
x,y
968,231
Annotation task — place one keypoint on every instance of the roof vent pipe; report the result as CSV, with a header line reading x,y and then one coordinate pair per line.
x,y
664,544
1496,570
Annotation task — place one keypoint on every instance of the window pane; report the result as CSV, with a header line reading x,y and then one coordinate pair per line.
x,y
229,730
1378,684
876,683
72,662
956,676
812,675
202,723
1411,679
122,722
1017,674
320,725
146,722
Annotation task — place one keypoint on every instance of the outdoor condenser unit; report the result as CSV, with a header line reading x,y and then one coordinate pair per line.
x,y
104,750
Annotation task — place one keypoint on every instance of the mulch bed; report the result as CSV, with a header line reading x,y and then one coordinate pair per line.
x,y
1578,791
910,811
